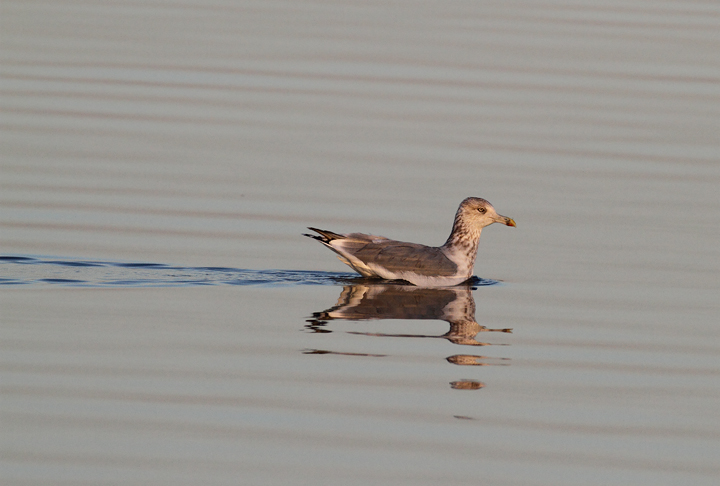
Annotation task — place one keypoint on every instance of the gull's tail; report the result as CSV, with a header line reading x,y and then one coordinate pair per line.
x,y
325,235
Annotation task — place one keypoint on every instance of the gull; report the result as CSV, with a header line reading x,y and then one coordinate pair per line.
x,y
424,266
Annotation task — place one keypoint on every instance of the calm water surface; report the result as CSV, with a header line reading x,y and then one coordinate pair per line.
x,y
163,321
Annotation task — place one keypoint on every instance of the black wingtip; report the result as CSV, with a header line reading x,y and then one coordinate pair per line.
x,y
314,237
325,235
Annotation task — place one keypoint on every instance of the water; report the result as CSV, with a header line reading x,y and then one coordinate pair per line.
x,y
164,321
25,270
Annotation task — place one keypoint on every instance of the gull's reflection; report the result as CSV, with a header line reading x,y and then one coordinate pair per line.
x,y
455,305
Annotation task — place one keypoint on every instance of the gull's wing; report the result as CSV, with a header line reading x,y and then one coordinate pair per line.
x,y
396,256
368,253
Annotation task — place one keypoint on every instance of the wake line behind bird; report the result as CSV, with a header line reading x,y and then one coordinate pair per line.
x,y
424,266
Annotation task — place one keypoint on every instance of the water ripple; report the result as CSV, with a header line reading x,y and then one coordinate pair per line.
x,y
27,270
24,270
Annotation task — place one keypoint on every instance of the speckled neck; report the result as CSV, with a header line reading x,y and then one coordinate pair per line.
x,y
463,241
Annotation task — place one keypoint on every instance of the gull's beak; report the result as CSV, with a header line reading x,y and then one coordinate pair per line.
x,y
505,220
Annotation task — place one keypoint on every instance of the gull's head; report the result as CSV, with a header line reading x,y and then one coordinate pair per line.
x,y
479,213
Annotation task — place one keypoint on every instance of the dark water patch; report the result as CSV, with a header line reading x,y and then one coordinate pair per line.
x,y
75,264
482,282
141,265
16,259
130,283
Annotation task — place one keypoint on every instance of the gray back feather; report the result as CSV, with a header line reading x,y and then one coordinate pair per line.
x,y
398,256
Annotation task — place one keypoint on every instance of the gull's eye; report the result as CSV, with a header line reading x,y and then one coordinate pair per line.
x,y
482,210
